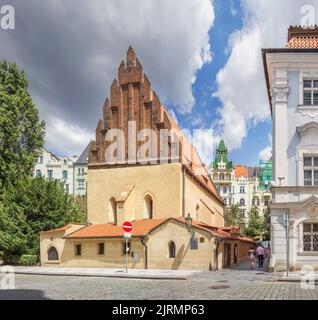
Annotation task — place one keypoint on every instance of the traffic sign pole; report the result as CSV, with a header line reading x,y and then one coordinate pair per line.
x,y
127,227
126,255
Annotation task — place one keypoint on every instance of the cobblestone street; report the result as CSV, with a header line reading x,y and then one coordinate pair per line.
x,y
220,285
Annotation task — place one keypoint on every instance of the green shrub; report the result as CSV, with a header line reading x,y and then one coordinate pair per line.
x,y
28,260
11,259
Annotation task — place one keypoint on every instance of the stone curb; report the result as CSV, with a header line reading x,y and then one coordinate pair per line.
x,y
123,276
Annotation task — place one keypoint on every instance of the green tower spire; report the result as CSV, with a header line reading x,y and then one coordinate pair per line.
x,y
222,156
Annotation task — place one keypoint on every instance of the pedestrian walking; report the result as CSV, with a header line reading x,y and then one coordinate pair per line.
x,y
251,258
260,252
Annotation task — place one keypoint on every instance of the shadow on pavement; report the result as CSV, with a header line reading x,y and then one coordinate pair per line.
x,y
22,294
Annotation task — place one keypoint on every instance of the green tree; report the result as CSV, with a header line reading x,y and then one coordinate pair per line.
x,y
30,206
21,131
234,216
255,224
267,224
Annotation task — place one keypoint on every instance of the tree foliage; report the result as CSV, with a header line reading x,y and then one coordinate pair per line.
x,y
255,224
234,216
21,131
31,206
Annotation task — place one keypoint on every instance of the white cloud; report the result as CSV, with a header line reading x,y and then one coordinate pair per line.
x,y
241,84
266,153
67,138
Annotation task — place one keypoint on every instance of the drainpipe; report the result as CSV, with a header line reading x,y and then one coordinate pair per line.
x,y
183,191
142,240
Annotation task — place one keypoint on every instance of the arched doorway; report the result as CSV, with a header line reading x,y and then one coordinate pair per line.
x,y
52,254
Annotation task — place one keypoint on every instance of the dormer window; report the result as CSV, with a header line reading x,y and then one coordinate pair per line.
x,y
310,92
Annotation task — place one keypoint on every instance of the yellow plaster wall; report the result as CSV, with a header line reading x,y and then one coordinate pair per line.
x,y
209,209
163,182
158,250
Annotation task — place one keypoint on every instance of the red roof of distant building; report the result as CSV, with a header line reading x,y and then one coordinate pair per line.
x,y
241,171
302,37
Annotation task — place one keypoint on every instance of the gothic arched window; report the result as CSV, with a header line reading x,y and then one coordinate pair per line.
x,y
112,211
172,249
148,206
52,254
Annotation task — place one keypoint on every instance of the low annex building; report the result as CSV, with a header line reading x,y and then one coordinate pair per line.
x,y
156,190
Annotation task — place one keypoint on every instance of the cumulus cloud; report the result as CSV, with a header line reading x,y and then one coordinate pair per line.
x,y
266,153
241,84
71,50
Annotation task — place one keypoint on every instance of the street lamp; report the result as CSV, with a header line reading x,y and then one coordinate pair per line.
x,y
188,222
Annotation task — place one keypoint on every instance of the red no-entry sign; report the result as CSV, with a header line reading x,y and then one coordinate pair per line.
x,y
127,226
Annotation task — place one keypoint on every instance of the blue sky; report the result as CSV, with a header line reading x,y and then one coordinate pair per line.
x,y
70,64
226,22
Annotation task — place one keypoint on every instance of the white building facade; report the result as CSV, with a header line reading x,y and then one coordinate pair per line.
x,y
292,83
50,166
238,184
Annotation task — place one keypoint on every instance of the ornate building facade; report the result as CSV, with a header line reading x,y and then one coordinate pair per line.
x,y
292,83
141,168
238,184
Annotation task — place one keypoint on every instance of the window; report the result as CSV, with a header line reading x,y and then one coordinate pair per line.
x,y
254,189
310,92
266,203
101,248
83,171
310,237
65,174
224,189
79,171
242,202
38,173
78,249
225,201
253,202
50,174
242,189
194,244
65,161
172,249
258,202
40,160
52,254
112,211
148,207
81,184
221,176
124,247
311,171
219,189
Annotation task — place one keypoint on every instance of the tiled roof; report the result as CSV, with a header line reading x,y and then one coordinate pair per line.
x,y
303,43
143,227
83,158
302,37
140,228
58,229
241,171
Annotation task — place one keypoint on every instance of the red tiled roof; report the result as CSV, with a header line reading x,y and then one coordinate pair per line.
x,y
58,229
303,43
140,228
241,171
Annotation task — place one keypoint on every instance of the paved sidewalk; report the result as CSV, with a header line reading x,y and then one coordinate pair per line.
x,y
111,273
299,276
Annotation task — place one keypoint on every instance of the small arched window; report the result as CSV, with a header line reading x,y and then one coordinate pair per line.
x,y
224,189
38,173
52,254
221,176
112,211
172,249
148,206
242,202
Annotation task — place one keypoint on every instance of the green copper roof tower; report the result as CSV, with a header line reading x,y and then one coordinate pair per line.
x,y
222,156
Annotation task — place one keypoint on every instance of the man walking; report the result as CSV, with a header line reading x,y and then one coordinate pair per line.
x,y
260,255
